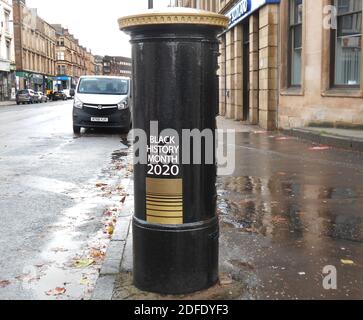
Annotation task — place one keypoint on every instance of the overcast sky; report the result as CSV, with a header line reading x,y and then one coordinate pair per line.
x,y
94,23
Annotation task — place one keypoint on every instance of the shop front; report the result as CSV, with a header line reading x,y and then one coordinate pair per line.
x,y
249,62
37,82
34,81
7,81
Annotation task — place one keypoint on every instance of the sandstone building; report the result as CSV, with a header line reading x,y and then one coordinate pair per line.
x,y
290,63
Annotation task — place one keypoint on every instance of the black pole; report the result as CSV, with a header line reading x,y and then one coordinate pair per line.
x,y
151,4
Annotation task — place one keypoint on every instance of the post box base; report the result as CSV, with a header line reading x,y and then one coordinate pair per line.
x,y
175,259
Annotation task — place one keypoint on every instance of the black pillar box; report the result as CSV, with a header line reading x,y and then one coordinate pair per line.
x,y
175,228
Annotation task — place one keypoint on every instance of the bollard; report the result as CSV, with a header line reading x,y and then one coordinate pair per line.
x,y
175,84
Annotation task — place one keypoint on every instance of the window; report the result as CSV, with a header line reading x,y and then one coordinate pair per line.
x,y
8,50
295,42
61,70
347,43
103,86
60,56
7,20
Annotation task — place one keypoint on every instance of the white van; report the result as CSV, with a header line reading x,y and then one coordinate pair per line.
x,y
102,102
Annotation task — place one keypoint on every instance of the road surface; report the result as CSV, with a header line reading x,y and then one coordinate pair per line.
x,y
54,190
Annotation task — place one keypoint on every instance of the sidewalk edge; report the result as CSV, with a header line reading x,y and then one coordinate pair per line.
x,y
105,284
348,143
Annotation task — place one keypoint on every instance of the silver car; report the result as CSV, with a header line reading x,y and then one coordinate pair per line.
x,y
42,97
26,96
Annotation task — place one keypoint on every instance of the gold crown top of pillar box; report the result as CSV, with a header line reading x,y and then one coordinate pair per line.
x,y
174,16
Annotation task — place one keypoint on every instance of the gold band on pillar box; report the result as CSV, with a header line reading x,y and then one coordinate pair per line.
x,y
164,201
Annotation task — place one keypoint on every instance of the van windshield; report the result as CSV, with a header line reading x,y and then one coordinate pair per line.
x,y
103,86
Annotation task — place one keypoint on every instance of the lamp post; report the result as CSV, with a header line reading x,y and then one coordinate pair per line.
x,y
151,4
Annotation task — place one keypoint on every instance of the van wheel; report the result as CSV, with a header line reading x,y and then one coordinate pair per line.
x,y
76,130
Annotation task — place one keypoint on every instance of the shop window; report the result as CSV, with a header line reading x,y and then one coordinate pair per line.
x,y
295,42
347,39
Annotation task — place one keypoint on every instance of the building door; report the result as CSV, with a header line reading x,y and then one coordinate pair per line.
x,y
246,70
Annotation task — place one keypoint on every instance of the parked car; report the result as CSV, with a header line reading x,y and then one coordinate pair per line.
x,y
37,97
26,96
42,97
102,102
59,95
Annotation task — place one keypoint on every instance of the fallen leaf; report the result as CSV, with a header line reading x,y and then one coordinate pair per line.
x,y
56,292
319,148
279,219
108,213
4,283
97,254
27,278
85,282
226,281
283,138
84,263
347,262
100,185
110,230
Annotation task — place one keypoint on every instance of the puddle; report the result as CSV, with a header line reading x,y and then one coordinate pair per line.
x,y
278,208
70,264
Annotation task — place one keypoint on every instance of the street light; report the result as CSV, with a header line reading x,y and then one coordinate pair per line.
x,y
151,4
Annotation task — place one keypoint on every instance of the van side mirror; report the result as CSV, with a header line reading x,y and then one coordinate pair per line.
x,y
72,92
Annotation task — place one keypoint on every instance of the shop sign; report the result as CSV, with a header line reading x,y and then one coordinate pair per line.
x,y
239,10
245,8
63,78
23,74
4,66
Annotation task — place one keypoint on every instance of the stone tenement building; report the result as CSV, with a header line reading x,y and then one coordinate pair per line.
x,y
7,55
290,63
90,64
98,65
35,42
73,60
117,66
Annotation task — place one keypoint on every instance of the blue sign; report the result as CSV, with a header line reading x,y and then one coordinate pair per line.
x,y
63,78
239,10
245,8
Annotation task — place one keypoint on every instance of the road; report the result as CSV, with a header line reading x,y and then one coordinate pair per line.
x,y
54,190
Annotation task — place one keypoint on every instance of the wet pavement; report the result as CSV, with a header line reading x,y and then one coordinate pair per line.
x,y
291,209
60,196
